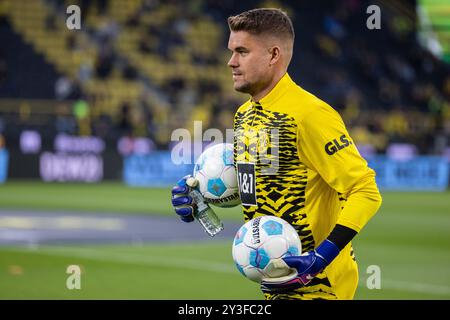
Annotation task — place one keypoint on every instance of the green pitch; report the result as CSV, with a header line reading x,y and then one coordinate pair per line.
x,y
407,241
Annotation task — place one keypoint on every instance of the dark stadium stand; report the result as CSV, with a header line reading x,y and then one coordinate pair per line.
x,y
36,80
166,61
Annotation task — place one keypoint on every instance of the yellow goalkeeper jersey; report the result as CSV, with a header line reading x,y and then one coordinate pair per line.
x,y
296,160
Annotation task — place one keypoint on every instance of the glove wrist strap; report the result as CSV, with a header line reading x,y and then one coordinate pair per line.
x,y
327,250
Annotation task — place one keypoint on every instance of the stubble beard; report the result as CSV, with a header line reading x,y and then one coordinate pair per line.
x,y
244,88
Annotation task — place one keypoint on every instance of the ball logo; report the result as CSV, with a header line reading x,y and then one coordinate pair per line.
x,y
231,198
217,188
255,231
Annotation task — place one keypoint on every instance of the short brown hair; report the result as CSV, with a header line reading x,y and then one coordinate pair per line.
x,y
258,21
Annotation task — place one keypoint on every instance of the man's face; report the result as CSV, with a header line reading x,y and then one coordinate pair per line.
x,y
249,62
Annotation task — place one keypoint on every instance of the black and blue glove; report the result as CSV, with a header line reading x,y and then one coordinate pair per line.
x,y
304,268
308,265
182,202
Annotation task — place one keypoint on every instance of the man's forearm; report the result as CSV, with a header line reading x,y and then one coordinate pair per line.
x,y
363,201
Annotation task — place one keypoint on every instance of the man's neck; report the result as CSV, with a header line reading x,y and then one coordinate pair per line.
x,y
262,93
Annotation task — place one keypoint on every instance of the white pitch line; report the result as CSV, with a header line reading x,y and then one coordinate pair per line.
x,y
203,265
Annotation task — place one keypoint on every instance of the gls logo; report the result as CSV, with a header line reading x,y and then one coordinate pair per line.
x,y
334,146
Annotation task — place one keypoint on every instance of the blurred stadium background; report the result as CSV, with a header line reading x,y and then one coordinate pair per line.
x,y
86,122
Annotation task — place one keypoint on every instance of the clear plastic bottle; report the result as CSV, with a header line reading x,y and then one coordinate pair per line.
x,y
205,214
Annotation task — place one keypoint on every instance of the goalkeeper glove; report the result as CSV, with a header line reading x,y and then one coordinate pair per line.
x,y
304,268
182,202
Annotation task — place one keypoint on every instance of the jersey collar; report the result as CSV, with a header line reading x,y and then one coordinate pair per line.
x,y
277,91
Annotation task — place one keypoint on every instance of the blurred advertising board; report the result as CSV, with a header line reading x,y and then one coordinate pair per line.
x,y
420,173
63,158
3,165
154,169
63,167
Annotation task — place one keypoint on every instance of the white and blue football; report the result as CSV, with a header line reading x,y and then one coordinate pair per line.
x,y
217,177
260,240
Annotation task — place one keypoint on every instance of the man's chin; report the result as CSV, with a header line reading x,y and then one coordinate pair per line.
x,y
242,88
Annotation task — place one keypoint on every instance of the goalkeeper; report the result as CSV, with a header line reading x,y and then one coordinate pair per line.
x,y
295,150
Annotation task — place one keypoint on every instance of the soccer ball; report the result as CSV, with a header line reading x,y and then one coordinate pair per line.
x,y
217,177
260,240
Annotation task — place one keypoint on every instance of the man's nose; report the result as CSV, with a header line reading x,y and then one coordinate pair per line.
x,y
232,63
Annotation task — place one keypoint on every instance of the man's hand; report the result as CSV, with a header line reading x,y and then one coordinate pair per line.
x,y
305,267
182,202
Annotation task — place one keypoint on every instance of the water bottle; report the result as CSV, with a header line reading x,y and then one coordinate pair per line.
x,y
205,214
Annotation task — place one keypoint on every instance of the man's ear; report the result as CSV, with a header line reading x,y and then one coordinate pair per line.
x,y
275,55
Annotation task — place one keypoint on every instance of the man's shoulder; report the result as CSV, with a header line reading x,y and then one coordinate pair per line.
x,y
305,104
315,112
